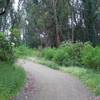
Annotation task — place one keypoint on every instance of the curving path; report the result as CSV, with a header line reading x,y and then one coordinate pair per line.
x,y
47,84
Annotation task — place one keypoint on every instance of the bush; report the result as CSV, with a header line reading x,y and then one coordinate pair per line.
x,y
72,53
60,55
48,53
90,56
15,36
6,51
67,54
23,51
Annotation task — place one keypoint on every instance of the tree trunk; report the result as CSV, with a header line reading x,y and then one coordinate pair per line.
x,y
56,22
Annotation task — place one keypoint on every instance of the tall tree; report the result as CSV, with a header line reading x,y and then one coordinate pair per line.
x,y
90,16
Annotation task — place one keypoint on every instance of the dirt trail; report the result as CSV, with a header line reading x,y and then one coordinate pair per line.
x,y
47,84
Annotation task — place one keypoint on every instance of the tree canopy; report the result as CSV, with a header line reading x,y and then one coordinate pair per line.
x,y
49,22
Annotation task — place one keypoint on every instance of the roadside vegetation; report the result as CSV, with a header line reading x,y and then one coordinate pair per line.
x,y
79,59
74,54
84,58
24,51
45,24
12,77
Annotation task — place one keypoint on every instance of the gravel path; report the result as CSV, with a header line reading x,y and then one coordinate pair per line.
x,y
47,84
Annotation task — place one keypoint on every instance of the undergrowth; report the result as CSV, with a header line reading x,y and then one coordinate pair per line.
x,y
12,78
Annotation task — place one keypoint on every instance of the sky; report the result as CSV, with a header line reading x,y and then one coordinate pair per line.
x,y
15,4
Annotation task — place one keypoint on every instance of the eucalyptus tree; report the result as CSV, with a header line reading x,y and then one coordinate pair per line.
x,y
27,22
5,6
55,21
90,16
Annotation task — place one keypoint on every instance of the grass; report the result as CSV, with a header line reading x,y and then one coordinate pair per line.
x,y
90,77
12,78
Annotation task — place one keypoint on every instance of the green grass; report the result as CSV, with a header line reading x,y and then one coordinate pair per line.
x,y
90,77
12,78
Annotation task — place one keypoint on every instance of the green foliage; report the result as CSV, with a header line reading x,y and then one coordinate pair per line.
x,y
72,50
91,56
12,78
76,54
90,17
60,56
90,77
67,54
15,36
23,51
48,53
6,52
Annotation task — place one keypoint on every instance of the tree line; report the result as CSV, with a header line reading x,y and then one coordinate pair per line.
x,y
49,22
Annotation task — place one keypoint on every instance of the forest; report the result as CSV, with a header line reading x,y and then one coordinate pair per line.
x,y
47,23
61,34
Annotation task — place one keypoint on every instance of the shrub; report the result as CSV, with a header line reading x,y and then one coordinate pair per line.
x,y
73,51
48,53
75,54
90,56
6,51
23,51
60,55
15,36
67,54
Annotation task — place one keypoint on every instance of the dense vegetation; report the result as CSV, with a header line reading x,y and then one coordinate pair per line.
x,y
78,59
44,25
47,23
12,78
23,51
6,51
77,54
